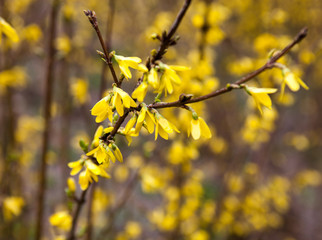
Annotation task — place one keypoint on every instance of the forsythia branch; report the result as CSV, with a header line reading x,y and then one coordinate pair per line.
x,y
268,65
165,43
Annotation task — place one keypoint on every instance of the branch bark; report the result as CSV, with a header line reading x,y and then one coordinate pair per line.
x,y
47,106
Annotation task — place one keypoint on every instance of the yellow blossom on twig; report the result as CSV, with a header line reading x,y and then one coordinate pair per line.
x,y
140,92
169,77
292,81
121,99
260,96
198,128
126,62
163,127
102,109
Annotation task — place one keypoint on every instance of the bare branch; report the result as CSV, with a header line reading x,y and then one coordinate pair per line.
x,y
93,20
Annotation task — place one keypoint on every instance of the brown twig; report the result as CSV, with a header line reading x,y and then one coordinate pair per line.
x,y
93,20
268,65
166,39
47,107
80,203
108,38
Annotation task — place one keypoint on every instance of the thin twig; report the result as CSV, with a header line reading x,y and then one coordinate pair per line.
x,y
108,39
268,65
80,203
47,107
166,39
93,20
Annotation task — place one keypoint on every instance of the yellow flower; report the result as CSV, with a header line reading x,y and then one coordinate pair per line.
x,y
131,133
76,166
120,99
133,229
260,96
153,78
61,220
32,33
91,172
117,152
141,117
292,81
140,92
71,184
130,124
79,90
199,128
97,135
149,119
63,45
102,110
170,77
12,206
102,153
126,62
9,31
163,127
14,77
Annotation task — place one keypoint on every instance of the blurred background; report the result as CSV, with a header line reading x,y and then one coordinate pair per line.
x,y
258,177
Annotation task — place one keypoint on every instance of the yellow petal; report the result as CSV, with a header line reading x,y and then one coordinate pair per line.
x,y
205,131
110,154
153,78
179,68
104,174
173,76
163,133
165,124
101,155
142,115
302,83
292,83
92,151
9,31
195,129
92,167
264,99
125,69
118,154
130,124
75,170
117,102
83,180
98,132
99,107
140,92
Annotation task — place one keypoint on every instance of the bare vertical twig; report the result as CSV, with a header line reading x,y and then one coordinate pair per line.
x,y
93,20
80,203
108,41
49,78
65,108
